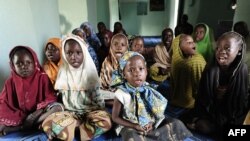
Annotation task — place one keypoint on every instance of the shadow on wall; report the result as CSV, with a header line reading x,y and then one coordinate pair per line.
x,y
64,25
3,78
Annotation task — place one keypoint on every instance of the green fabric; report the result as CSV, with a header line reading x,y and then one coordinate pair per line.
x,y
206,46
185,76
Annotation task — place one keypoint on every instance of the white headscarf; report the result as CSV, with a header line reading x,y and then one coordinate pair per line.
x,y
82,78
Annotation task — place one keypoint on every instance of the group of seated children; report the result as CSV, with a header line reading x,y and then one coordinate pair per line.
x,y
70,94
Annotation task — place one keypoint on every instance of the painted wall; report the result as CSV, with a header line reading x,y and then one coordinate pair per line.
x,y
151,24
30,23
242,12
210,12
72,14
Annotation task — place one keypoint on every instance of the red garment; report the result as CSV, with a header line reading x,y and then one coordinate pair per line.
x,y
22,96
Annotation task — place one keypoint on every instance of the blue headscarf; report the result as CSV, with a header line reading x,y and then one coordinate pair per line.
x,y
149,103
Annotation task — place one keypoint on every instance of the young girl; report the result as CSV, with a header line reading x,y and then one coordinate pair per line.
x,y
223,97
53,55
91,36
204,38
78,85
79,32
186,68
160,70
28,96
119,45
139,109
137,44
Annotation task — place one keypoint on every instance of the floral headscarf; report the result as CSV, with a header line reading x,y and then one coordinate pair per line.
x,y
149,103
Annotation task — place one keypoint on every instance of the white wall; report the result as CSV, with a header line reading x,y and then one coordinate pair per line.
x,y
72,14
26,22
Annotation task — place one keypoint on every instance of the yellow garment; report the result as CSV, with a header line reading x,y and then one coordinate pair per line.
x,y
185,76
50,67
163,60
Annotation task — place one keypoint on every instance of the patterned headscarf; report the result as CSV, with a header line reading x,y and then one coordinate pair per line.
x,y
149,103
50,67
109,65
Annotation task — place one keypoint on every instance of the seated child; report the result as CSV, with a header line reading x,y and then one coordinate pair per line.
x,y
139,109
186,68
78,85
53,55
79,32
223,96
28,96
160,70
119,45
204,39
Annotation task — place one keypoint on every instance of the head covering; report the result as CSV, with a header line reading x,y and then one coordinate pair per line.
x,y
117,77
50,67
22,96
206,46
149,104
93,40
185,75
232,107
109,65
83,78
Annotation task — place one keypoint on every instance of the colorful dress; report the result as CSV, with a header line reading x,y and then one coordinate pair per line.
x,y
84,106
143,105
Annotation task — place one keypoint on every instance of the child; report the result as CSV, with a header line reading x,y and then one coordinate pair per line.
x,y
91,36
139,109
204,39
78,85
53,55
186,68
119,45
79,32
28,96
160,70
104,50
223,96
137,44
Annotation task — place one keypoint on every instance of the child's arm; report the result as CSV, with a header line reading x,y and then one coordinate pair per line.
x,y
116,117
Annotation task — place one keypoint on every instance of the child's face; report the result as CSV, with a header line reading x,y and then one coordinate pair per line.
x,y
226,51
168,38
137,45
135,71
74,54
119,46
106,40
199,34
82,35
87,31
187,45
52,53
24,64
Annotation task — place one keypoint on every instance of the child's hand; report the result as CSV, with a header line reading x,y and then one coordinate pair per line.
x,y
31,118
139,128
148,127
